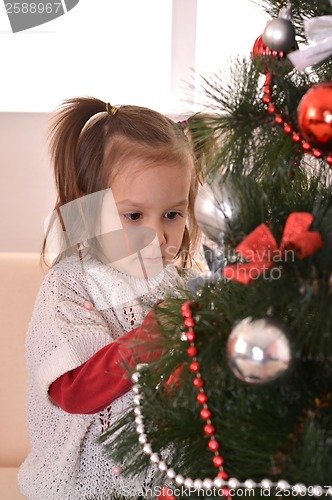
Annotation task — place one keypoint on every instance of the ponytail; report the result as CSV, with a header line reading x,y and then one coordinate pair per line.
x,y
65,133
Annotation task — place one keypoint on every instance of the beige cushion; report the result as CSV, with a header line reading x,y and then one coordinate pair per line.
x,y
20,278
9,489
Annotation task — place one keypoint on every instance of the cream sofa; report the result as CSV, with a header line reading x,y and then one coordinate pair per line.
x,y
20,278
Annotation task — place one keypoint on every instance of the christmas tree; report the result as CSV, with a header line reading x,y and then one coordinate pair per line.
x,y
241,402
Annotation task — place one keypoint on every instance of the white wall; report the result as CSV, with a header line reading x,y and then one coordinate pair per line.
x,y
27,191
117,52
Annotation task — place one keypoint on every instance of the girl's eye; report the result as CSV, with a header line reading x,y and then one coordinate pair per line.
x,y
172,215
132,216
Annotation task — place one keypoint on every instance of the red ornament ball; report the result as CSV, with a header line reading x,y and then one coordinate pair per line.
x,y
267,60
259,48
260,54
314,115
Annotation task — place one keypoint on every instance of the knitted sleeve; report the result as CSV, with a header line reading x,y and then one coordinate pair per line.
x,y
63,334
94,385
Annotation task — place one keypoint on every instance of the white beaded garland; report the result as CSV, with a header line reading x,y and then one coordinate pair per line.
x,y
266,484
141,367
233,482
171,473
147,449
300,488
250,484
283,485
140,429
188,483
198,484
218,482
143,439
207,483
139,419
317,490
179,480
137,399
162,466
135,377
154,458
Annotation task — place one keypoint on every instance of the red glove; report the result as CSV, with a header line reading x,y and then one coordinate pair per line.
x,y
93,386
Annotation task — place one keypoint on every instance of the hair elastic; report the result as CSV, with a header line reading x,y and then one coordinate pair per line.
x,y
183,124
111,110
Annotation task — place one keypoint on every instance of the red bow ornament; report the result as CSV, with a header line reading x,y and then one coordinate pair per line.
x,y
261,249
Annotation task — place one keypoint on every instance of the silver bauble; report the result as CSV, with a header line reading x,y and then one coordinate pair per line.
x,y
216,206
258,350
279,34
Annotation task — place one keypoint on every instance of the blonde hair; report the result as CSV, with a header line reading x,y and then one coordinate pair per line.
x,y
87,145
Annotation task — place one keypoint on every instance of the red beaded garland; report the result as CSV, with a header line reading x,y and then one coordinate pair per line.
x,y
190,336
268,79
189,322
280,120
205,414
209,429
222,474
306,146
202,398
217,461
194,367
213,445
317,153
199,383
192,351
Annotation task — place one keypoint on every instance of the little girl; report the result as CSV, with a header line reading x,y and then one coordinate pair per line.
x,y
126,185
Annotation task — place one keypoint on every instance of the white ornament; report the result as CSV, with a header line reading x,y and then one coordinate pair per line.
x,y
258,350
216,206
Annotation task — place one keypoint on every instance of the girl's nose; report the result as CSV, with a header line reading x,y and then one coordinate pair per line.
x,y
160,233
161,237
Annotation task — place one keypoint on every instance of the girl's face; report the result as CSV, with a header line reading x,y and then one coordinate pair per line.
x,y
151,204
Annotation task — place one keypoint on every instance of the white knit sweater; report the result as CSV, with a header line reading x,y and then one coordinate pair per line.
x,y
66,462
